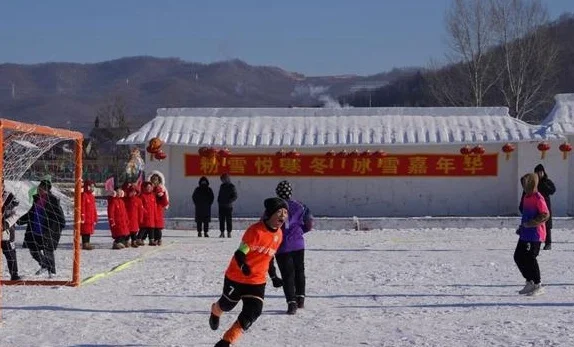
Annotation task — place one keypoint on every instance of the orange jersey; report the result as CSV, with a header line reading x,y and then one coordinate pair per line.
x,y
263,245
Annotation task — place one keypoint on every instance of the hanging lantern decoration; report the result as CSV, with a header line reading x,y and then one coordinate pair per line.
x,y
565,148
478,150
355,154
293,154
203,151
211,153
508,148
224,153
160,155
281,153
380,153
343,155
466,150
366,154
330,154
154,145
543,147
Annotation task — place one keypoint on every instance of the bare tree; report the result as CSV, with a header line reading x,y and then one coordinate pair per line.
x,y
472,71
114,114
528,55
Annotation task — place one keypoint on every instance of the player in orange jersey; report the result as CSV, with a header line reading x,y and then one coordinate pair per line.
x,y
246,274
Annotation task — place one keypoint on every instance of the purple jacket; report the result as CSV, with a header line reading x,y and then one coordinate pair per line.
x,y
300,221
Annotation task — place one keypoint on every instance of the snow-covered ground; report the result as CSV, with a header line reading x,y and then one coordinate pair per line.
x,y
401,287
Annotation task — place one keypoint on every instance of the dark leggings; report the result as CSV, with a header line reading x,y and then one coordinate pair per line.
x,y
292,268
525,258
10,254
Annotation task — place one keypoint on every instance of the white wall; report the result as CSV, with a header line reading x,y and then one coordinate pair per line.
x,y
400,196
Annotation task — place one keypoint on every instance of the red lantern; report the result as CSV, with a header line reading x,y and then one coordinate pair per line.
x,y
330,154
565,148
366,154
507,149
224,153
466,150
543,147
354,154
154,145
203,151
281,153
343,155
293,154
478,150
160,155
380,154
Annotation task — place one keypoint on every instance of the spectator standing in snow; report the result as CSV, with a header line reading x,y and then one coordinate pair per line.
x,y
225,199
203,199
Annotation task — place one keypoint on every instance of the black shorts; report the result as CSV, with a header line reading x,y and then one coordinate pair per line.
x,y
235,291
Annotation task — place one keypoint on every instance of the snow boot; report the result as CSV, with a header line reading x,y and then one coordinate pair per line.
x,y
300,301
291,307
229,234
528,287
205,234
87,246
222,235
199,234
118,245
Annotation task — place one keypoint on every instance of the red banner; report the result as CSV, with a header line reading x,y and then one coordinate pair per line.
x,y
321,165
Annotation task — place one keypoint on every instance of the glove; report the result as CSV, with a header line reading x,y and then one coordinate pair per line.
x,y
245,269
277,282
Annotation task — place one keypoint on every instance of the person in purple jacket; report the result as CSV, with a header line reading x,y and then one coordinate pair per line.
x,y
290,256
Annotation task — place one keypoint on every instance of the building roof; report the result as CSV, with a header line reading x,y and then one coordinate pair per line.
x,y
330,127
561,118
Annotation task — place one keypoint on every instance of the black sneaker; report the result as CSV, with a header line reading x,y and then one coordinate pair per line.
x,y
213,322
300,302
547,247
205,235
15,278
222,343
291,307
222,235
199,234
229,234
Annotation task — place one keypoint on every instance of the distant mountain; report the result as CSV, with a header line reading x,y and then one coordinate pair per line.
x,y
70,94
412,89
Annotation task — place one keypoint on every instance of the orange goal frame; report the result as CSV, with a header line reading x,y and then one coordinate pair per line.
x,y
64,134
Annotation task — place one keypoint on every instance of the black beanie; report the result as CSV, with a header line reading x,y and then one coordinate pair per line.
x,y
272,205
539,168
45,184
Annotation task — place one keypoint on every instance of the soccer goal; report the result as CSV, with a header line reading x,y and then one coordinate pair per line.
x,y
42,169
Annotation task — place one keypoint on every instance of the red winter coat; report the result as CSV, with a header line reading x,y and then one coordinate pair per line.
x,y
162,202
135,210
118,217
89,213
149,205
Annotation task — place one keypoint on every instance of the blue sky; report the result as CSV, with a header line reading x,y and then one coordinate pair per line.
x,y
314,37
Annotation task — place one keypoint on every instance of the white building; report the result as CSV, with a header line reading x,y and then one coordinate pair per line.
x,y
419,141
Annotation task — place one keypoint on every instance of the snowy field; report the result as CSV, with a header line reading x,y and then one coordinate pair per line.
x,y
410,287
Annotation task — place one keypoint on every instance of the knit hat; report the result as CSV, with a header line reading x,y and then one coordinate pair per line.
x,y
273,205
539,168
45,184
284,190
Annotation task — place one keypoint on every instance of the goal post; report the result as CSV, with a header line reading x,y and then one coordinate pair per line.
x,y
32,153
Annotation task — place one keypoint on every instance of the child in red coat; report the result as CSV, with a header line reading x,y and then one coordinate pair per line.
x,y
89,214
162,203
135,212
147,225
118,219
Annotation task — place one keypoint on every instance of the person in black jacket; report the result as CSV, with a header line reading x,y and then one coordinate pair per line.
x,y
546,188
8,211
45,221
203,199
225,199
